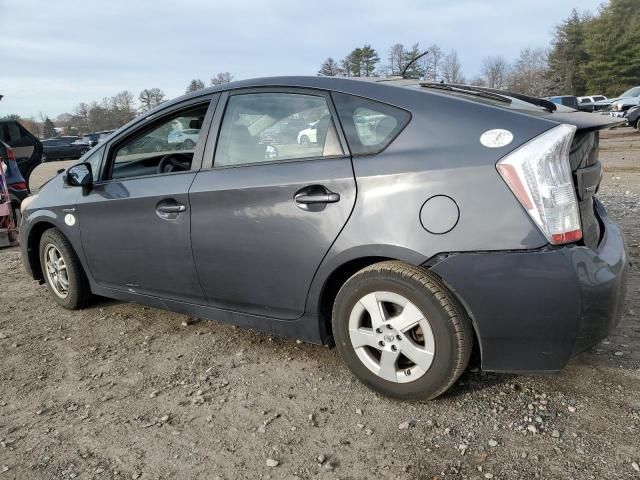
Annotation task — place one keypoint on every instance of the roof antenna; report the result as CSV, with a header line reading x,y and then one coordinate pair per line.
x,y
404,70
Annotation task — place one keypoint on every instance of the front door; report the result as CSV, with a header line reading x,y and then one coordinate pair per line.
x,y
134,223
264,216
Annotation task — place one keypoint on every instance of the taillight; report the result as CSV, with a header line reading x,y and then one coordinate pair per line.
x,y
539,175
19,186
10,154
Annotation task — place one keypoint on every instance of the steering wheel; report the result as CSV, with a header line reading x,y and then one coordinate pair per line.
x,y
171,162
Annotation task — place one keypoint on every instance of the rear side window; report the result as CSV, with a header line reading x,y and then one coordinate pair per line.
x,y
370,126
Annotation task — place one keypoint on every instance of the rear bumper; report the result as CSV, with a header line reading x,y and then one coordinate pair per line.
x,y
534,310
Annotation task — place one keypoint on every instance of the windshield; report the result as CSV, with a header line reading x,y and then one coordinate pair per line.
x,y
632,92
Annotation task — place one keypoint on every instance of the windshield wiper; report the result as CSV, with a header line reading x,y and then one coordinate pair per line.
x,y
466,90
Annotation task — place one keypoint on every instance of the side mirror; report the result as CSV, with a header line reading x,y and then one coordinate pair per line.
x,y
80,175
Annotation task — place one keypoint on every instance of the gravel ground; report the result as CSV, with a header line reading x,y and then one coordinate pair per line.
x,y
124,391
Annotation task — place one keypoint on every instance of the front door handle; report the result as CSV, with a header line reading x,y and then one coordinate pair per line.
x,y
306,199
169,209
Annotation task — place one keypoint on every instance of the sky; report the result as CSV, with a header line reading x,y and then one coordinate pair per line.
x,y
56,54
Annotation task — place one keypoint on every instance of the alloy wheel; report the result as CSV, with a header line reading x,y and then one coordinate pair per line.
x,y
56,269
391,337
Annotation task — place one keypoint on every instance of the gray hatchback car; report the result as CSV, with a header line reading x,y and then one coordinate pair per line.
x,y
417,222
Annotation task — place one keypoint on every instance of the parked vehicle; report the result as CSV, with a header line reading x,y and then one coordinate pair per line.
x,y
588,104
566,100
425,219
283,131
63,149
26,147
17,189
92,139
147,144
572,102
620,104
187,138
633,117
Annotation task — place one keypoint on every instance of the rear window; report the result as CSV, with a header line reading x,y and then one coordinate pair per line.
x,y
370,126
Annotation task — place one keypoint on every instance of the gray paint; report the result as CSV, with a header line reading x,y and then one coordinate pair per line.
x,y
244,252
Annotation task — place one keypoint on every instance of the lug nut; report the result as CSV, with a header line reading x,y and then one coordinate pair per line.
x,y
378,330
398,337
381,343
394,348
407,372
389,326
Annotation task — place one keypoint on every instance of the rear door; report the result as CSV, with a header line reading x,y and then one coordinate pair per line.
x,y
266,211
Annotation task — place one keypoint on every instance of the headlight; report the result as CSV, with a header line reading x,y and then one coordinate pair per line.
x,y
615,107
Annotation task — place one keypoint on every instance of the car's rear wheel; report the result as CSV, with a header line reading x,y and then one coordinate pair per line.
x,y
401,332
62,271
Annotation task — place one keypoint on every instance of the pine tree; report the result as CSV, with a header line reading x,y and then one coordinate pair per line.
x,y
568,56
195,85
49,130
613,45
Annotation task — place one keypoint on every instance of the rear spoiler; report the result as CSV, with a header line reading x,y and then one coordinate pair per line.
x,y
585,121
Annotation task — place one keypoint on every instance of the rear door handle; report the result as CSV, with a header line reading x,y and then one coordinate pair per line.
x,y
305,199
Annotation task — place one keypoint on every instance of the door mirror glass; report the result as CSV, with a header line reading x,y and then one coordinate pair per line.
x,y
80,175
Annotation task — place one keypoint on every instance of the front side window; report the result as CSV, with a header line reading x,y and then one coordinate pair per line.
x,y
95,160
370,126
164,147
267,127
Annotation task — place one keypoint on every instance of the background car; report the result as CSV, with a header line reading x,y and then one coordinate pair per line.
x,y
284,131
633,117
587,103
63,148
621,103
187,137
146,144
26,147
92,139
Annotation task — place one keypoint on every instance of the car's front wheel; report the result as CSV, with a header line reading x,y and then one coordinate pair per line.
x,y
401,332
62,271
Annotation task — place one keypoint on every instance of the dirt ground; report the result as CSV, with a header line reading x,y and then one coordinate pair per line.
x,y
122,391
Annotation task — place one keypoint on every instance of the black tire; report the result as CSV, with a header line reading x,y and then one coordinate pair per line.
x,y
451,327
79,294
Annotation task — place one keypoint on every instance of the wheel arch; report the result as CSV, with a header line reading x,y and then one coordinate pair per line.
x,y
340,274
33,247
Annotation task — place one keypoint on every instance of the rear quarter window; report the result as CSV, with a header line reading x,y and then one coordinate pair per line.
x,y
369,126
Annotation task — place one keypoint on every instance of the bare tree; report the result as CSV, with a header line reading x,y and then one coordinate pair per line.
x,y
329,68
150,98
432,62
396,59
495,71
451,70
221,78
529,74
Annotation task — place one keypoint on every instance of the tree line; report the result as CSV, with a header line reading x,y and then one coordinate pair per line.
x,y
589,54
108,114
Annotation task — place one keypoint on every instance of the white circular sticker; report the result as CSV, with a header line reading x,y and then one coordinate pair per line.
x,y
69,219
496,138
